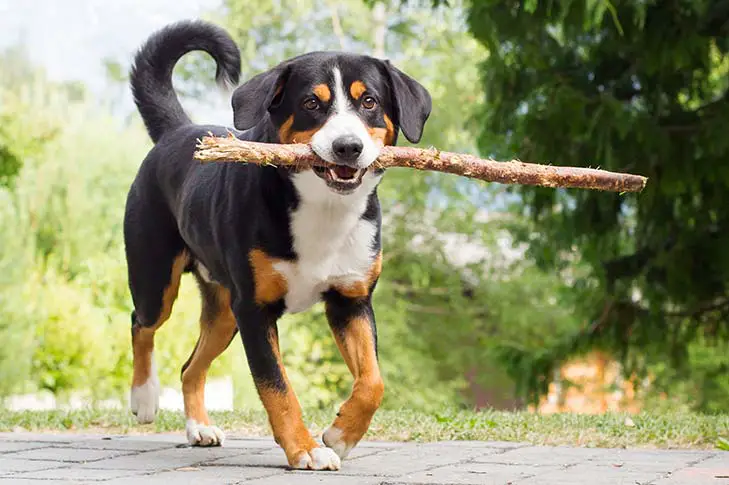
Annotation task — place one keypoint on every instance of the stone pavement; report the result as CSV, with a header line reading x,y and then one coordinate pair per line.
x,y
160,459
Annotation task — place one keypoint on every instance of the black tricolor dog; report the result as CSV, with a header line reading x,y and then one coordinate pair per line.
x,y
262,241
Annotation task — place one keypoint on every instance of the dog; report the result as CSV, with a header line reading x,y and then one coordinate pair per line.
x,y
262,240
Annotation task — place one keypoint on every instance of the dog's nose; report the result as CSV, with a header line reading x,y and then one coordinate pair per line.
x,y
347,148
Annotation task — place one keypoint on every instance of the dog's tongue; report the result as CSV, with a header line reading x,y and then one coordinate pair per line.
x,y
345,172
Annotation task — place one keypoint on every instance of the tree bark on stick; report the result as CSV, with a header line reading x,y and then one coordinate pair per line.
x,y
231,149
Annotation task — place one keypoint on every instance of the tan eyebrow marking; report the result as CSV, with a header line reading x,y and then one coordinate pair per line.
x,y
357,89
322,92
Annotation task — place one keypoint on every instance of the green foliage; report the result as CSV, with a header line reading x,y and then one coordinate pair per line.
x,y
635,87
19,137
722,444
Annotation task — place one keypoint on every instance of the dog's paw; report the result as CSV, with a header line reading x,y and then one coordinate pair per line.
x,y
202,435
318,459
144,400
333,437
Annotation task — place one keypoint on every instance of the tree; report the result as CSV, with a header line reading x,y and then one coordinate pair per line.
x,y
627,86
16,140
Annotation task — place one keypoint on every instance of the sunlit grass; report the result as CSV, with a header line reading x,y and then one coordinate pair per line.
x,y
669,430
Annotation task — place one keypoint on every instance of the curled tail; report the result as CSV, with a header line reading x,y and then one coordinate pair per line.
x,y
151,75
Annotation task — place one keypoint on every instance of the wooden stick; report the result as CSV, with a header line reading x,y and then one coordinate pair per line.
x,y
231,149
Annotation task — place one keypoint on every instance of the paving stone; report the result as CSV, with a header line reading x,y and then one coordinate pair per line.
x,y
24,481
195,475
541,456
118,444
176,438
77,474
8,465
164,459
504,445
476,474
314,478
46,437
658,461
411,459
587,473
248,442
274,459
65,454
662,461
13,446
366,451
382,444
713,470
260,444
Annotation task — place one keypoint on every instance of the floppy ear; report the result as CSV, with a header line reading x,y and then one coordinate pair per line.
x,y
412,103
252,100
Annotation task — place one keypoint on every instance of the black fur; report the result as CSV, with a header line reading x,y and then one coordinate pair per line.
x,y
412,102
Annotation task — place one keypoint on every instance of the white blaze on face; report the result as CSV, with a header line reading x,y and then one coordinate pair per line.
x,y
344,121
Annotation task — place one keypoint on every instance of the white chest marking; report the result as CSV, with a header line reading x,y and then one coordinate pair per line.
x,y
334,245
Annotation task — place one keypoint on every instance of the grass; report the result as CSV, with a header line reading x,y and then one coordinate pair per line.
x,y
683,430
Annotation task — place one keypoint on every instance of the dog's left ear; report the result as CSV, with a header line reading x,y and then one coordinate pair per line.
x,y
253,99
412,103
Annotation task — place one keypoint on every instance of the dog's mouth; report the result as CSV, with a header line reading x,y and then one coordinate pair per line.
x,y
341,178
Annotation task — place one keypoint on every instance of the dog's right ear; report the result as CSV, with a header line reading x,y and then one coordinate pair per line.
x,y
253,99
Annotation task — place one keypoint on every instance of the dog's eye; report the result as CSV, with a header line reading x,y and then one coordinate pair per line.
x,y
311,104
368,102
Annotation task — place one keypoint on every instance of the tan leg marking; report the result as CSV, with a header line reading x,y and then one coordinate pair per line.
x,y
143,337
360,289
356,343
284,414
357,89
144,397
270,285
217,328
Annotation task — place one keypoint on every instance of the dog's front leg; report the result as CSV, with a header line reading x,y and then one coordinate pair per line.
x,y
352,321
257,325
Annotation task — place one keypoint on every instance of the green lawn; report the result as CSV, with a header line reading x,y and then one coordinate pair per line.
x,y
683,430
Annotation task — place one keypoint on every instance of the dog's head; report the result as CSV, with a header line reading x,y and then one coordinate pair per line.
x,y
346,106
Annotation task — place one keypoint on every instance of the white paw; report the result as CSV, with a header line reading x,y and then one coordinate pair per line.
x,y
319,459
144,399
201,435
332,437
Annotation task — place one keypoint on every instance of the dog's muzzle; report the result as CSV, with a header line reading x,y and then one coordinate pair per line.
x,y
344,175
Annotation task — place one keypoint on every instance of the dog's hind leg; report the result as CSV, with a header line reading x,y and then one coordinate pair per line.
x,y
156,259
145,384
217,330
